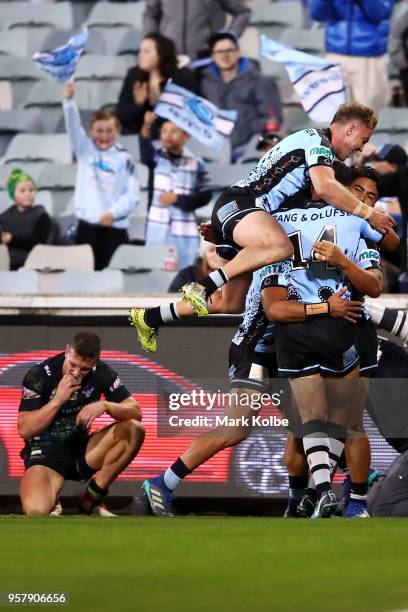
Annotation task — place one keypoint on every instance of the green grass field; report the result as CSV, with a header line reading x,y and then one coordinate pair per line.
x,y
209,564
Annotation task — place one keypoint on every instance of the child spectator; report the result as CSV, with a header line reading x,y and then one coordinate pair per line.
x,y
107,190
180,186
23,225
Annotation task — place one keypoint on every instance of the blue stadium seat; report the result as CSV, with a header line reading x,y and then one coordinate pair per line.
x,y
17,121
20,282
100,282
39,148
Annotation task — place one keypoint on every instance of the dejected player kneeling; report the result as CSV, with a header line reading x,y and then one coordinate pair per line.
x,y
60,401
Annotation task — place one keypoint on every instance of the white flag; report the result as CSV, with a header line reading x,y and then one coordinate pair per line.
x,y
318,82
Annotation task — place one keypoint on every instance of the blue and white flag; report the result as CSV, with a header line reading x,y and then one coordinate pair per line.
x,y
61,63
318,82
195,115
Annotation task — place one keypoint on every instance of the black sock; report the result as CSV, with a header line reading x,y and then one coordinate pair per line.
x,y
358,491
95,490
297,486
214,281
154,317
175,474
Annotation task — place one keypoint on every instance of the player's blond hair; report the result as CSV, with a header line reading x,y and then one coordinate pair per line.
x,y
359,112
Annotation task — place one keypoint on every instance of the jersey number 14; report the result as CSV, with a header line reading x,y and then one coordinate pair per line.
x,y
299,262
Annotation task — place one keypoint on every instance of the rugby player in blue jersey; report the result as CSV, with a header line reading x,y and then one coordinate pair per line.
x,y
252,362
248,241
312,347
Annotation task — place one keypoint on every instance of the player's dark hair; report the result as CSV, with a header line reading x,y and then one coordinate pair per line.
x,y
358,112
368,173
86,344
342,173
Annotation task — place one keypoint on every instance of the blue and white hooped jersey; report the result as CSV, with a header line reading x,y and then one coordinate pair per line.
x,y
307,279
284,170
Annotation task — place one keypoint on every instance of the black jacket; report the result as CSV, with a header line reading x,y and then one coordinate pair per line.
x,y
28,228
130,114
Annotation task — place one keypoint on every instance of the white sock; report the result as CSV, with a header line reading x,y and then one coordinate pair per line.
x,y
171,480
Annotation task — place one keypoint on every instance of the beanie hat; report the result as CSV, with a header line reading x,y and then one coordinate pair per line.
x,y
16,177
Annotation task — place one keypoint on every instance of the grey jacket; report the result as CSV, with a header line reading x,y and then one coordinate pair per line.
x,y
189,23
395,41
255,96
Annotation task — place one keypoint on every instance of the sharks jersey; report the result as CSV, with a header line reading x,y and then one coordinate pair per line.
x,y
307,279
255,331
284,170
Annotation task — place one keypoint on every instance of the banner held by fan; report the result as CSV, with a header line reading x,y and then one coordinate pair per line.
x,y
61,63
195,115
318,82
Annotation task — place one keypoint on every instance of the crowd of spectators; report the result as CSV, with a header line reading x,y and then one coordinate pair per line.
x,y
357,35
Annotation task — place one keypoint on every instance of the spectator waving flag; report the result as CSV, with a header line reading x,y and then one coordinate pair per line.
x,y
318,82
195,115
61,63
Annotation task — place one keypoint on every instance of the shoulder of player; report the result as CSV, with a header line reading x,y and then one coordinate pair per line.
x,y
41,375
104,373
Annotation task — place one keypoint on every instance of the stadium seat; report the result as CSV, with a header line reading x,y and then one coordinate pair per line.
x,y
95,43
210,155
34,170
102,67
85,114
49,101
39,148
156,281
47,258
114,14
57,176
93,95
56,15
34,35
101,282
20,282
14,43
225,175
132,259
10,10
14,121
4,258
22,73
131,143
392,120
250,43
271,18
130,44
309,41
137,228
6,96
250,154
